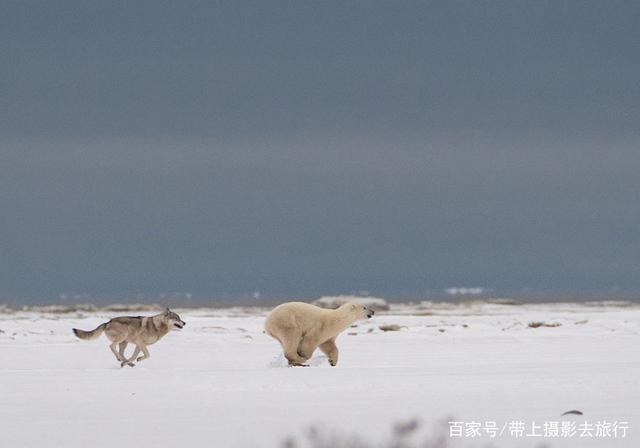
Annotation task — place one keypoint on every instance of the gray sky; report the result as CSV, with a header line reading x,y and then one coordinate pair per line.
x,y
300,148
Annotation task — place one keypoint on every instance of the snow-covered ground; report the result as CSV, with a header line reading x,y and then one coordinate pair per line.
x,y
221,382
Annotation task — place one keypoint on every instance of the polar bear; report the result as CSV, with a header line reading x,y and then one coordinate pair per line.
x,y
301,328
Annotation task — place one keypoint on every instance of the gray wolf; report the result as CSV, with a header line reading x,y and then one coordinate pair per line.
x,y
140,330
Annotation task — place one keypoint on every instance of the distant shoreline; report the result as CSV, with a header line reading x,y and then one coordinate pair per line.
x,y
138,301
410,307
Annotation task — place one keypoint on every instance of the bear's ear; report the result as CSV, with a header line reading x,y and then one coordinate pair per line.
x,y
354,306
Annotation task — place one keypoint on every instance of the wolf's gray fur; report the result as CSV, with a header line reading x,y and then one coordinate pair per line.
x,y
140,330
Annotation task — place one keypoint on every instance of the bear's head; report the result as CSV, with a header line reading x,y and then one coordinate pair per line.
x,y
362,311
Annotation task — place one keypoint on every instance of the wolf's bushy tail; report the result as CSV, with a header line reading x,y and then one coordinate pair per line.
x,y
88,335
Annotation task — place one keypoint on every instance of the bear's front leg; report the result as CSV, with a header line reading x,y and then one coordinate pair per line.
x,y
330,349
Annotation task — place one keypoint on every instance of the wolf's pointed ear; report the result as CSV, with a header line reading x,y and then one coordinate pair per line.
x,y
167,310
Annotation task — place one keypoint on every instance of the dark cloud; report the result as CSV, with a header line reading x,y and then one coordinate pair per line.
x,y
221,148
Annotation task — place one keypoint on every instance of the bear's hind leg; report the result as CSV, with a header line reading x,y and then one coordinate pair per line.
x,y
307,346
290,348
330,349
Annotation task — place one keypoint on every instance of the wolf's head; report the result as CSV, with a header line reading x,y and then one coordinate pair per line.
x,y
173,320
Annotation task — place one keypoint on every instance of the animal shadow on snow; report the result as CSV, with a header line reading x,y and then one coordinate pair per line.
x,y
316,361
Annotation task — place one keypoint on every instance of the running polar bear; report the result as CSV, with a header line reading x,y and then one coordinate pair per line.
x,y
301,328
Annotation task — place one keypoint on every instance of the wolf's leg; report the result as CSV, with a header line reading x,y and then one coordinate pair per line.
x,y
129,362
113,349
145,352
121,348
330,349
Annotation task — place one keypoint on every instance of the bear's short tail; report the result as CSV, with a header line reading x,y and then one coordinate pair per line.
x,y
89,335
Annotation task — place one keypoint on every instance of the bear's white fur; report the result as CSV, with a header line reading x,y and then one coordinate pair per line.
x,y
301,328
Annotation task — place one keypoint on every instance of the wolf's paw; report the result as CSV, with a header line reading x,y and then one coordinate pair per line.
x,y
127,363
140,358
